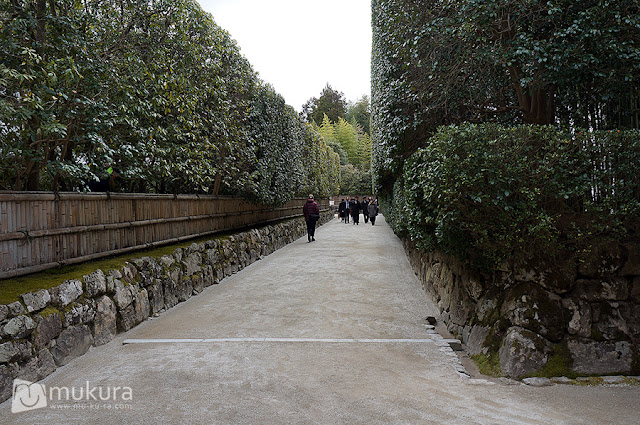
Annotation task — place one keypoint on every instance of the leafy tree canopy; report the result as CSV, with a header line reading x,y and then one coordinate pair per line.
x,y
331,103
441,62
360,111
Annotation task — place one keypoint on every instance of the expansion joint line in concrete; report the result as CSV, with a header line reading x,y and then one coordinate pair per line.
x,y
283,340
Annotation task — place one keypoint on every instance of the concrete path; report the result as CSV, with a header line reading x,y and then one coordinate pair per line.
x,y
328,332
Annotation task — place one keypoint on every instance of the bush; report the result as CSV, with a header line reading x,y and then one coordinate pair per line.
x,y
486,193
144,96
354,180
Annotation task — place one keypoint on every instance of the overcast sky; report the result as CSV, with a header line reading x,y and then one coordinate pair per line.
x,y
299,46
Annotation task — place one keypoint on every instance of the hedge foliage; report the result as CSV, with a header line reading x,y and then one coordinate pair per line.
x,y
488,193
150,96
438,62
498,189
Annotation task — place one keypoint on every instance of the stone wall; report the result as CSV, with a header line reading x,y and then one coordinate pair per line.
x,y
577,318
49,328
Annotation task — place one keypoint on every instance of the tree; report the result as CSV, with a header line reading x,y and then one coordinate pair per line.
x,y
360,111
331,102
521,56
438,62
363,148
354,181
276,162
347,137
49,74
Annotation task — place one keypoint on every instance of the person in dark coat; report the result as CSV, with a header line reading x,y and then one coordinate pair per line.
x,y
311,213
373,212
364,206
355,210
341,209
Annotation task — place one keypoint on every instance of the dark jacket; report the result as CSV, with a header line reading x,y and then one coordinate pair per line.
x,y
364,206
311,207
373,209
354,207
342,208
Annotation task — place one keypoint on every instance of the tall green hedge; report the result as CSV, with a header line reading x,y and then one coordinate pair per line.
x,y
150,96
438,62
491,192
487,193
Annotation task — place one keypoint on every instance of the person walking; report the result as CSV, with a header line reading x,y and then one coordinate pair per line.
x,y
341,209
311,213
355,211
347,210
364,206
373,212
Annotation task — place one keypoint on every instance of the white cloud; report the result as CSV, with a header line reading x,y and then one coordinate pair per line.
x,y
298,46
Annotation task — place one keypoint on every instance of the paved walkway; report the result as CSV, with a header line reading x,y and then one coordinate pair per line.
x,y
329,332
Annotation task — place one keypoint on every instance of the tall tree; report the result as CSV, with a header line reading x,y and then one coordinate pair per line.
x,y
331,102
328,133
360,111
363,147
347,136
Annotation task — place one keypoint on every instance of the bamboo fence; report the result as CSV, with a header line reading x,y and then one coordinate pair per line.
x,y
41,230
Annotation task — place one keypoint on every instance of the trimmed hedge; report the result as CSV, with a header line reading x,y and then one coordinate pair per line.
x,y
138,96
487,193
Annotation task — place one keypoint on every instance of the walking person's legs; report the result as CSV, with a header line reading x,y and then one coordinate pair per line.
x,y
311,227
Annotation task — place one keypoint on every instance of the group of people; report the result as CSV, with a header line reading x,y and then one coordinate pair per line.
x,y
352,208
347,208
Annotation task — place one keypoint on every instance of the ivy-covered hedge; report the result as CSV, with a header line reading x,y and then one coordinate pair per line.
x,y
487,193
132,95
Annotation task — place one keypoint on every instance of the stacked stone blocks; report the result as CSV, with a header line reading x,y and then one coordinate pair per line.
x,y
584,315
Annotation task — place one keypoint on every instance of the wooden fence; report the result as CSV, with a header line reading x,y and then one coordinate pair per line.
x,y
41,230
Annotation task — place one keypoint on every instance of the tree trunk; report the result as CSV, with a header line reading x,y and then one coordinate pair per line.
x,y
33,179
539,108
216,185
536,104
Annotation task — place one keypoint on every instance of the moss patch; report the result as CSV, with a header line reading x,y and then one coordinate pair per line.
x,y
560,364
11,289
589,381
488,364
596,335
630,380
48,312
